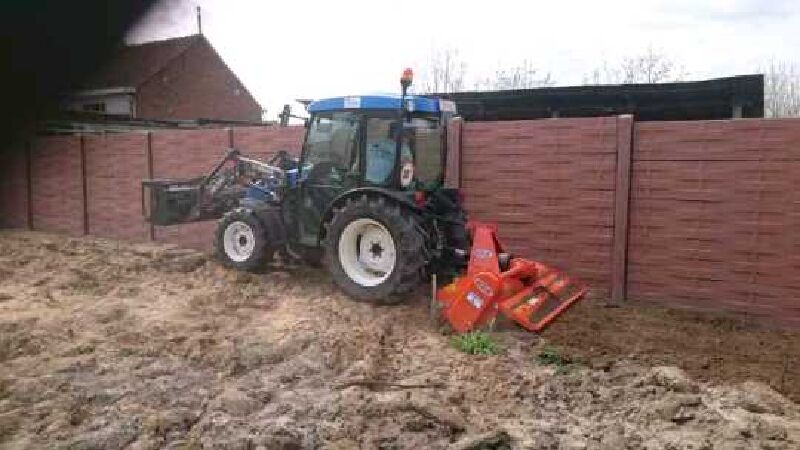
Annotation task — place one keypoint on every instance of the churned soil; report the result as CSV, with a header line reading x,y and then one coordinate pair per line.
x,y
107,345
710,347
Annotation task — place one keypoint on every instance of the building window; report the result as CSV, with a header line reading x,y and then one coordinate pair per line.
x,y
94,107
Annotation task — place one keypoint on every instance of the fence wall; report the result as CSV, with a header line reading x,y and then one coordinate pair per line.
x,y
115,166
715,216
702,214
57,188
549,185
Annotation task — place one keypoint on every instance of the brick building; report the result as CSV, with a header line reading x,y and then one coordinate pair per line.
x,y
175,79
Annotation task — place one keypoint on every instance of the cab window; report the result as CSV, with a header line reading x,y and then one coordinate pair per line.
x,y
381,148
332,146
420,145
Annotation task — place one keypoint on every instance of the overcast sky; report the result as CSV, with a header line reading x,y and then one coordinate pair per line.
x,y
283,50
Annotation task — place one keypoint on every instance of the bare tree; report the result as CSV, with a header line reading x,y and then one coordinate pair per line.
x,y
781,89
444,72
601,75
651,66
521,76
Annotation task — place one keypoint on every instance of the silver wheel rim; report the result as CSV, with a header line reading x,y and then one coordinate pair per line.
x,y
367,252
239,241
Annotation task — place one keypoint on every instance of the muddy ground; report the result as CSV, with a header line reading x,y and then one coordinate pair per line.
x,y
107,345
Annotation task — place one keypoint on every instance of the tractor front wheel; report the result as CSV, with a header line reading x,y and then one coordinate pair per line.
x,y
240,240
374,249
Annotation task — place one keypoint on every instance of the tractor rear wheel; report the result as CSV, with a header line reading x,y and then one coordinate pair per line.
x,y
241,241
374,249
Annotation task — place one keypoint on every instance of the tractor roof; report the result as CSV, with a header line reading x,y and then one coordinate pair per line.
x,y
419,103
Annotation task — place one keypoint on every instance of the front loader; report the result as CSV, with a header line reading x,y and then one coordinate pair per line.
x,y
366,197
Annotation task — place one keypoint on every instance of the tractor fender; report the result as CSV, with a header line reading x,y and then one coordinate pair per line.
x,y
339,200
271,217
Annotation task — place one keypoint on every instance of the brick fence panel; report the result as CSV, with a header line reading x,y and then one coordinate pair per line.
x,y
715,216
187,154
115,166
56,184
549,185
13,188
263,142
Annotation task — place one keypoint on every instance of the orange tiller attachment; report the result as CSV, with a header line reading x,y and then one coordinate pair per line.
x,y
528,292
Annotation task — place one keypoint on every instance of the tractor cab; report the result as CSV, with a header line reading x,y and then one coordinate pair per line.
x,y
359,136
387,143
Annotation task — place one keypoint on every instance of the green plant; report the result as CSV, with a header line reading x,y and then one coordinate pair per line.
x,y
476,343
550,356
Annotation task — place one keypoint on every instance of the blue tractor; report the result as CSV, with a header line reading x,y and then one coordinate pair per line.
x,y
366,197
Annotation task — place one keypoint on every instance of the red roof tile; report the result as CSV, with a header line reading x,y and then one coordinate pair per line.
x,y
134,64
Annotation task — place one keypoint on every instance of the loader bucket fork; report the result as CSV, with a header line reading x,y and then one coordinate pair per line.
x,y
527,292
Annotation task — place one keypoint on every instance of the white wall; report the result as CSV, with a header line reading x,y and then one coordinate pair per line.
x,y
116,104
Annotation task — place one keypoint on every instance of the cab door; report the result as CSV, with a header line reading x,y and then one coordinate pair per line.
x,y
330,166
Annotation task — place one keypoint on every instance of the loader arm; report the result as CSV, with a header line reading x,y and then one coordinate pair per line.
x,y
208,197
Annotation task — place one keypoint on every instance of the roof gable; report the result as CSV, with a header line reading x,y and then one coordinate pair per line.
x,y
134,64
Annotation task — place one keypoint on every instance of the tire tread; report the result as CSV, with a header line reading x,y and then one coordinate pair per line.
x,y
410,244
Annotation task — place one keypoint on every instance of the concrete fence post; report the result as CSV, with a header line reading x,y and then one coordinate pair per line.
x,y
622,194
84,185
29,184
452,173
149,155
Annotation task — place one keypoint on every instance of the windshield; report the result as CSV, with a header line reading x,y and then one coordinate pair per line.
x,y
421,145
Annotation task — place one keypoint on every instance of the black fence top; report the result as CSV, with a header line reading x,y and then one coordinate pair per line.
x,y
721,98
